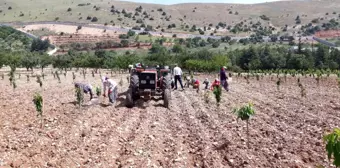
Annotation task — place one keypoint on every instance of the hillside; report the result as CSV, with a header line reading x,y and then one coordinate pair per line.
x,y
180,17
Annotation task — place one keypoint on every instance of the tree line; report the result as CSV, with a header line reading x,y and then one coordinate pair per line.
x,y
265,57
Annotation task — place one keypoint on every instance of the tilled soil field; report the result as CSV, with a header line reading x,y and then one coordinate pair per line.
x,y
286,131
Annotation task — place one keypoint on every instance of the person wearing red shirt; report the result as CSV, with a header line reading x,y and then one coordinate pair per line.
x,y
196,83
216,83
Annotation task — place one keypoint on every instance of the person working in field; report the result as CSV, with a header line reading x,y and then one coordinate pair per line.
x,y
112,88
216,83
187,81
86,88
195,83
224,78
178,76
206,82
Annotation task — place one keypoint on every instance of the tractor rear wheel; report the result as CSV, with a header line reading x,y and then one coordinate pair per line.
x,y
167,97
166,82
129,100
134,84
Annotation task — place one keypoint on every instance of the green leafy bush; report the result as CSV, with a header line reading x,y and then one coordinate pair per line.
x,y
38,102
79,96
244,113
332,141
218,93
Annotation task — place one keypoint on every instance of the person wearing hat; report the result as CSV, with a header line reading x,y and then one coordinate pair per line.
x,y
206,82
224,78
112,89
86,88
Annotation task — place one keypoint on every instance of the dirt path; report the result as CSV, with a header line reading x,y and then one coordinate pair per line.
x,y
286,131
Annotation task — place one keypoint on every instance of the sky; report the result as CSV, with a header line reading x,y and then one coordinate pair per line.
x,y
169,2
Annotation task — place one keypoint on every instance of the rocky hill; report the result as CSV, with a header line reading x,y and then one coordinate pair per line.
x,y
191,17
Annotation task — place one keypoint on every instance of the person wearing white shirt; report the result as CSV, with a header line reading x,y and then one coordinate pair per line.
x,y
178,76
112,89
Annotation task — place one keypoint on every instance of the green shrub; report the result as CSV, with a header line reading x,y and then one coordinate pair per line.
x,y
333,146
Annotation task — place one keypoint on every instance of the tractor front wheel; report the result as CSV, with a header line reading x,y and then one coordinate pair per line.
x,y
129,100
167,97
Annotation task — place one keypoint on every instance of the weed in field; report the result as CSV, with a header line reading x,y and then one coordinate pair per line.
x,y
218,93
206,96
38,102
98,91
39,81
244,113
333,146
79,96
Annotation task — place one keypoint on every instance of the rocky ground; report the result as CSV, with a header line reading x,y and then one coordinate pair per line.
x,y
286,131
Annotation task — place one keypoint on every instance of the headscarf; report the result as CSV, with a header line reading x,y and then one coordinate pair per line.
x,y
104,78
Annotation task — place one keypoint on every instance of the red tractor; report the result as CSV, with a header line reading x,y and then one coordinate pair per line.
x,y
149,82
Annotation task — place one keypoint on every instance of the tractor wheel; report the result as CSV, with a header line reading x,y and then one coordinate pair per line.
x,y
166,82
167,97
129,100
134,84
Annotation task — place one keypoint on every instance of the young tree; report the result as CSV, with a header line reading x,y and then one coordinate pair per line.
x,y
244,113
79,96
278,83
12,78
39,80
218,93
98,91
206,96
44,61
84,73
332,146
57,74
38,101
73,76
